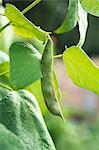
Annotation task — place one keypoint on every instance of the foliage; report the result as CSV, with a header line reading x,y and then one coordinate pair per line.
x,y
22,26
31,66
29,60
85,74
20,113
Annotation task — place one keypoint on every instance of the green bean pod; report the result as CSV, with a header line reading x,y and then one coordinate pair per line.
x,y
47,80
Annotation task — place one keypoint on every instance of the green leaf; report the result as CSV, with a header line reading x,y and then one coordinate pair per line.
x,y
91,6
83,24
20,113
24,64
56,86
9,141
22,25
81,69
71,18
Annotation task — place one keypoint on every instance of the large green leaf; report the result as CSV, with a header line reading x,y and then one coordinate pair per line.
x,y
20,113
22,25
91,6
24,64
71,18
81,69
9,141
82,22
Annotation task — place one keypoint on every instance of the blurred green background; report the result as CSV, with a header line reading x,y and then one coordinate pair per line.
x,y
80,107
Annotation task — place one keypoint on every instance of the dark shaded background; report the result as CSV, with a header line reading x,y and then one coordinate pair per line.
x,y
49,14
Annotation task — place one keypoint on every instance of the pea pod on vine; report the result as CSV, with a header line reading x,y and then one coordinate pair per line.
x,y
47,80
71,18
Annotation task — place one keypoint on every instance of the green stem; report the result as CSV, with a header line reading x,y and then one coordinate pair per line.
x,y
58,56
3,73
4,86
5,26
30,6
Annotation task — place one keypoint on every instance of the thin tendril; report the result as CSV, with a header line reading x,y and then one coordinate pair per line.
x,y
30,6
3,73
58,56
4,86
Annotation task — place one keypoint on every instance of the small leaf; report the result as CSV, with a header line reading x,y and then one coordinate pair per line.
x,y
81,69
24,65
71,18
22,25
91,6
83,24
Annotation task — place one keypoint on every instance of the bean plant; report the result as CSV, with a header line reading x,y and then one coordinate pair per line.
x,y
27,73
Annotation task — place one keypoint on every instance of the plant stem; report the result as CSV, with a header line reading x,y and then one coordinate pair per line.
x,y
4,86
30,6
3,73
58,56
5,26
